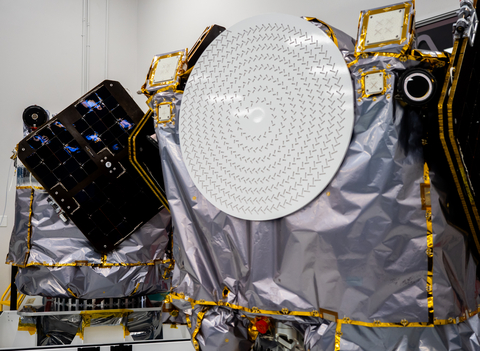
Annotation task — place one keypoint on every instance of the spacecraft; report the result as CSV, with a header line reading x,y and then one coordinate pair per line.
x,y
316,191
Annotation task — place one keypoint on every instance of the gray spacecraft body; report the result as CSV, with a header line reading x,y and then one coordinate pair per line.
x,y
373,259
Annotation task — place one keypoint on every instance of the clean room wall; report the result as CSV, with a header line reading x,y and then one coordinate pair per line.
x,y
41,63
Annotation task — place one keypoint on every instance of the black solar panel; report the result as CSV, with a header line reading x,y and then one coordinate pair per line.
x,y
82,158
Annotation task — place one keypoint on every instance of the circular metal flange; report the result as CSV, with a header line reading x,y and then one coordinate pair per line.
x,y
267,117
417,86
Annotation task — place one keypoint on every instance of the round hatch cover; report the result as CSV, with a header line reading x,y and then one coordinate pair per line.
x,y
267,117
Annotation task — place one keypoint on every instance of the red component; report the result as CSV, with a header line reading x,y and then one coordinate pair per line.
x,y
262,326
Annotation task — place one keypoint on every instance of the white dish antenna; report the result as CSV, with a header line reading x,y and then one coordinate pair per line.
x,y
267,117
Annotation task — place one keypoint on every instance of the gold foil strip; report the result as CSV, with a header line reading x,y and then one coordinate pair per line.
x,y
453,140
426,202
197,328
132,155
97,265
29,327
338,335
460,50
181,296
330,31
30,187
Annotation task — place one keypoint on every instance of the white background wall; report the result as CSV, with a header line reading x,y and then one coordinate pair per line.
x,y
41,52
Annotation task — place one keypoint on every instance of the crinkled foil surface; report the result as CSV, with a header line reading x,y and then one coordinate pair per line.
x,y
61,329
363,249
57,260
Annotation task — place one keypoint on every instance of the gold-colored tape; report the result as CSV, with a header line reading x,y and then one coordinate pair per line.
x,y
15,153
460,50
338,335
88,316
187,72
463,318
96,265
330,31
72,293
167,270
29,327
256,310
376,324
135,290
453,141
29,227
433,61
31,187
426,204
132,155
200,316
103,264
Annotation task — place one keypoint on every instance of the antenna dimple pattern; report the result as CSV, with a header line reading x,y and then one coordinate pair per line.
x,y
267,117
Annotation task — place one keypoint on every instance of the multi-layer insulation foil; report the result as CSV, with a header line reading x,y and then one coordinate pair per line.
x,y
56,260
62,329
374,253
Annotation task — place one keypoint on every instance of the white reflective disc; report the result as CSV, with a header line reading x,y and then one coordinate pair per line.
x,y
267,117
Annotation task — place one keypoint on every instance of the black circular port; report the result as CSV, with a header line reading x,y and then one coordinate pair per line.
x,y
34,116
417,86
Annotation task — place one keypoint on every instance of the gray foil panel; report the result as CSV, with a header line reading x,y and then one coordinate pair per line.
x,y
440,338
92,282
62,259
223,329
18,249
358,248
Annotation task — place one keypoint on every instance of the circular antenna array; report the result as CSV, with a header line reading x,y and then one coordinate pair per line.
x,y
267,117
